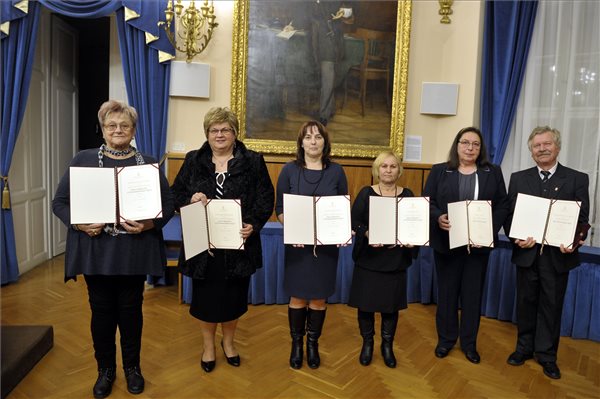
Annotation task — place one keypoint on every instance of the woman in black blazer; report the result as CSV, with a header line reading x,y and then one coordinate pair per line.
x,y
468,175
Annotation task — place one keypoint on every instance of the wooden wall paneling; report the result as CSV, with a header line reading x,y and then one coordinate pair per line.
x,y
358,177
425,176
274,170
358,172
412,178
174,162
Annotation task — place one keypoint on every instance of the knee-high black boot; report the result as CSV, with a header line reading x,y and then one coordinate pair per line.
x,y
297,319
366,325
314,326
388,330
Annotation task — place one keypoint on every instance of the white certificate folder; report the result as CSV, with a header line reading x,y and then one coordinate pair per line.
x,y
471,223
548,221
399,221
316,220
216,225
113,195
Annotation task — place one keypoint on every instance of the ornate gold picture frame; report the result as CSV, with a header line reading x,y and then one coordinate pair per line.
x,y
275,145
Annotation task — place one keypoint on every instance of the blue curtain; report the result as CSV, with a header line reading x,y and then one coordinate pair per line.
x,y
18,50
147,80
508,27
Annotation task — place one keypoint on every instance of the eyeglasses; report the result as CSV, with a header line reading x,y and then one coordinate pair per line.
x,y
466,143
225,130
111,127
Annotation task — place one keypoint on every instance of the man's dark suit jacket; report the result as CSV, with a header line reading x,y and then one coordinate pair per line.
x,y
565,184
442,188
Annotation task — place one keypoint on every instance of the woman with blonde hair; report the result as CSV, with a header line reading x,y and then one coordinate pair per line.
x,y
223,168
379,279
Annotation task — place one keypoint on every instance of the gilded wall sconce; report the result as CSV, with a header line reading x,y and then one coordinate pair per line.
x,y
445,10
193,26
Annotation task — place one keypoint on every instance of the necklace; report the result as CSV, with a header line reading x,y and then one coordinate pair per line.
x,y
139,160
381,191
316,182
117,153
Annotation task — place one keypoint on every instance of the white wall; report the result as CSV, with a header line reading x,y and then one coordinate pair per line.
x,y
443,53
186,115
116,77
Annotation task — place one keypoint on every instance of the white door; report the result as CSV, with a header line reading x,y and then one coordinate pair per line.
x,y
63,114
27,177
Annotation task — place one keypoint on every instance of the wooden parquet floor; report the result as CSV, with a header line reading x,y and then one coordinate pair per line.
x,y
172,347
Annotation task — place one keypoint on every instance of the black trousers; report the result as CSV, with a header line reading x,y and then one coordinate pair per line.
x,y
540,296
116,301
460,277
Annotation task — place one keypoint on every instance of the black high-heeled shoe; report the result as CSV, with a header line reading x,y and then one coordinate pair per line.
x,y
208,366
233,360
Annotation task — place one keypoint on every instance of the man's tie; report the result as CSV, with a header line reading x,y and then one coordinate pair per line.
x,y
546,174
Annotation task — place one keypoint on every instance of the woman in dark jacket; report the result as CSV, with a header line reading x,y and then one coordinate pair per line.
x,y
223,168
468,175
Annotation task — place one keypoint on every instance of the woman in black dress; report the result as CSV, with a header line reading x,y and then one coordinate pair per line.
x,y
114,258
309,280
379,279
224,168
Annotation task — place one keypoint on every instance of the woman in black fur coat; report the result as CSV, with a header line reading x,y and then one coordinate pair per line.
x,y
223,168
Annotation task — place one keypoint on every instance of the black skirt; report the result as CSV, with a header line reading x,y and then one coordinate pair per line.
x,y
219,299
383,292
308,277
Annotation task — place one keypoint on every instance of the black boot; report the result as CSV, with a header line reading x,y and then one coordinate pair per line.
x,y
104,383
135,380
388,330
366,325
297,319
314,326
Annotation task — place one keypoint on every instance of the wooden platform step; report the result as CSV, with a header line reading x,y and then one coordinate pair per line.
x,y
22,347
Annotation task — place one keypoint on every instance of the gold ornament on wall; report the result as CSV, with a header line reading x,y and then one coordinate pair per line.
x,y
445,10
193,26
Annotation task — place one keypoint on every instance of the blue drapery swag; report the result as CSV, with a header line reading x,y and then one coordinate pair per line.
x,y
508,28
143,47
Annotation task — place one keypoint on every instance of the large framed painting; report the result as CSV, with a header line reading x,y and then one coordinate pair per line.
x,y
344,63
